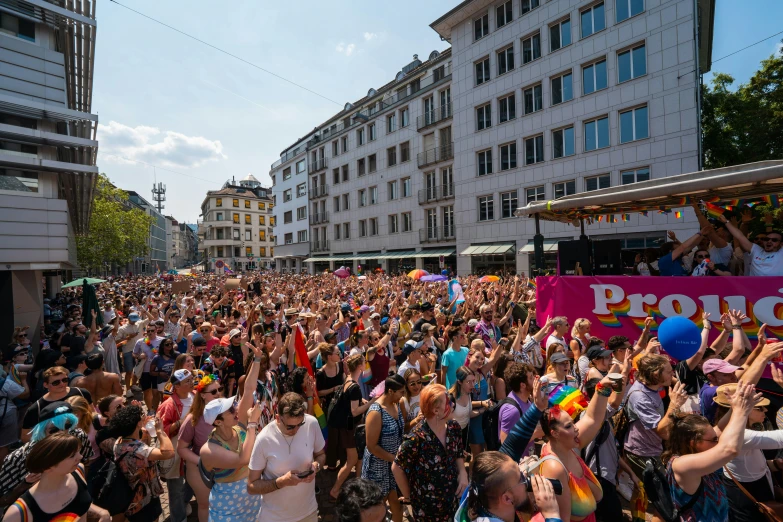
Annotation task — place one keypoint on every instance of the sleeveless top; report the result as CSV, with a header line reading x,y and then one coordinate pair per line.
x,y
229,474
462,413
583,502
712,506
75,509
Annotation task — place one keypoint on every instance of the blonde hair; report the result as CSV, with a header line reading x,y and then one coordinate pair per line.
x,y
578,324
551,349
83,411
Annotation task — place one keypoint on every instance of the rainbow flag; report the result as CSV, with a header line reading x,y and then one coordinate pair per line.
x,y
532,283
772,200
569,399
713,211
644,213
678,214
685,200
302,360
352,301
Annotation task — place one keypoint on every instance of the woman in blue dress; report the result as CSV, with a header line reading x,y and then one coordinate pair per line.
x,y
481,366
384,428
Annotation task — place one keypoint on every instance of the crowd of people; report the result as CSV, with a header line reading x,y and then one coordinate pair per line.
x,y
418,407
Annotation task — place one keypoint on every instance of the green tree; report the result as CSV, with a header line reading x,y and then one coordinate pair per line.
x,y
118,232
746,124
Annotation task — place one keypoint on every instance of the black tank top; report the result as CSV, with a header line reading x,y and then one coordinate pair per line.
x,y
72,512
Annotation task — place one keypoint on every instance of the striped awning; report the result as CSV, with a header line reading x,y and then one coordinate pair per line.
x,y
436,252
488,250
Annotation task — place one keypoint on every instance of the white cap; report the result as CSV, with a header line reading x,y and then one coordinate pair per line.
x,y
215,407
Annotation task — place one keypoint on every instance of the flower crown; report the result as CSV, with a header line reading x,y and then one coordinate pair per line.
x,y
206,381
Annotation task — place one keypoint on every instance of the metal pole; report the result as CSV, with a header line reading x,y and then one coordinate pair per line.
x,y
582,226
538,246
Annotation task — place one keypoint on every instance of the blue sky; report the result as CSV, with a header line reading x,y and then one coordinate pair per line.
x,y
166,100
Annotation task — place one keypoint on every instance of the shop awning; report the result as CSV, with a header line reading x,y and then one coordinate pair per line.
x,y
436,252
550,245
488,250
399,255
737,185
324,258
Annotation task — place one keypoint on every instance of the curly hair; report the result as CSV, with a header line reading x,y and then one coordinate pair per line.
x,y
516,375
125,421
357,495
296,379
220,351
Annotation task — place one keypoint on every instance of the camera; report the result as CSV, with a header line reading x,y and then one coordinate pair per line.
x,y
531,468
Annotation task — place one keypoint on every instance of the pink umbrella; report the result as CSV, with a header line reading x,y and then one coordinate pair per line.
x,y
342,272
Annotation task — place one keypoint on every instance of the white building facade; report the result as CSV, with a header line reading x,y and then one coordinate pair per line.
x,y
289,186
553,98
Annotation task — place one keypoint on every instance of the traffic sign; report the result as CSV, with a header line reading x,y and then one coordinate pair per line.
x,y
219,263
442,261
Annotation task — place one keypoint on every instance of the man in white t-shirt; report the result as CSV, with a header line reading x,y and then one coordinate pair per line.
x,y
127,336
287,454
411,350
766,260
560,327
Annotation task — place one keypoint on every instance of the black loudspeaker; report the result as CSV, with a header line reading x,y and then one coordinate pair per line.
x,y
608,258
572,252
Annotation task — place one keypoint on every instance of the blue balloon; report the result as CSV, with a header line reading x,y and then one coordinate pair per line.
x,y
444,272
680,337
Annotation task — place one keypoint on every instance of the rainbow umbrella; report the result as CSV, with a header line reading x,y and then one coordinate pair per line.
x,y
417,273
489,279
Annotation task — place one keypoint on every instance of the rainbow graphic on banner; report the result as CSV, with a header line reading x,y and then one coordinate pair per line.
x,y
302,360
569,399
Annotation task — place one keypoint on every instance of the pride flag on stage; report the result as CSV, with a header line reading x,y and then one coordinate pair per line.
x,y
302,360
772,200
713,211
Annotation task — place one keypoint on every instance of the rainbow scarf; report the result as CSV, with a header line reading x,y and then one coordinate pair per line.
x,y
568,399
302,360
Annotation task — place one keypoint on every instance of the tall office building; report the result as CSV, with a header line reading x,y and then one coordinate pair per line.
x,y
158,241
534,101
237,227
47,150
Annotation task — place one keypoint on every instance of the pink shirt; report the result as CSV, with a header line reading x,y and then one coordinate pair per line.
x,y
194,436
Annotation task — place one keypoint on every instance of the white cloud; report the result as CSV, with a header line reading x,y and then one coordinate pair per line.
x,y
346,49
369,36
151,145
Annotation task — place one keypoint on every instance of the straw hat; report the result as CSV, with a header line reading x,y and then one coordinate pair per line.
x,y
724,393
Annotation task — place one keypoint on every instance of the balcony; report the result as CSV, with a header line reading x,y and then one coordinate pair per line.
x,y
436,193
317,165
436,234
434,116
436,155
318,191
319,246
317,219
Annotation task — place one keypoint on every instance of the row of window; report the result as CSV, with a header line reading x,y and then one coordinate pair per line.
x,y
633,126
396,189
248,219
396,119
301,166
235,203
248,234
17,27
592,18
509,201
369,227
248,251
301,213
301,237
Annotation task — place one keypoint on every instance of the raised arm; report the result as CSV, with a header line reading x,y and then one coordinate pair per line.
x,y
694,361
743,241
594,416
753,374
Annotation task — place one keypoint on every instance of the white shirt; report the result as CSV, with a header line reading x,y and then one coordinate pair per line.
x,y
133,332
721,255
186,404
766,263
405,365
273,456
554,340
751,464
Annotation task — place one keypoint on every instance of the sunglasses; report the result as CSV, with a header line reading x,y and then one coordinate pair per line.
x,y
231,411
772,240
57,382
204,330
761,239
292,427
215,392
21,335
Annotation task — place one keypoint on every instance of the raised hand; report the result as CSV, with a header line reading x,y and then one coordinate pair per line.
x,y
677,395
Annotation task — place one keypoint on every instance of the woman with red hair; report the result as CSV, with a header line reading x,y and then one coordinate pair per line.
x,y
430,467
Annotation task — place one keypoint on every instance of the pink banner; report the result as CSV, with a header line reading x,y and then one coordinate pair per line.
x,y
618,305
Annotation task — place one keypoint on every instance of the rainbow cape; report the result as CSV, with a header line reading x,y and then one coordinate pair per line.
x,y
302,360
569,399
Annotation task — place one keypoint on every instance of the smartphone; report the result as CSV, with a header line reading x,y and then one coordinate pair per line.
x,y
305,474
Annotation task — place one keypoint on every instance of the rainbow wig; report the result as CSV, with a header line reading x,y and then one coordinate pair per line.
x,y
63,422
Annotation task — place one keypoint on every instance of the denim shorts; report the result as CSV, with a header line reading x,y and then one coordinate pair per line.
x,y
127,361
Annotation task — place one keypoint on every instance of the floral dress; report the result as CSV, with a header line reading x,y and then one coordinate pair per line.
x,y
378,470
431,468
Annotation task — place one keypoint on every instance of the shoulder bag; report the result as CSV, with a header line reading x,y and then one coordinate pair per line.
x,y
772,510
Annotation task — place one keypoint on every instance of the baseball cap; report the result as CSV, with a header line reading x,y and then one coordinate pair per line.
x,y
215,407
376,315
596,352
345,308
558,357
411,346
426,305
233,333
723,395
133,316
199,341
718,365
180,375
472,323
457,321
54,409
330,336
365,308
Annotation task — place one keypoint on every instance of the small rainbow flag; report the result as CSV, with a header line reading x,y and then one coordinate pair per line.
x,y
644,213
772,200
569,399
678,214
352,301
686,200
302,360
713,211
600,218
532,283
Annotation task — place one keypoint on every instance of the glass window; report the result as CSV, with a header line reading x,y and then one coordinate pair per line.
x,y
562,89
301,166
534,194
560,35
508,156
406,187
481,27
261,220
531,48
407,222
391,123
372,131
373,163
262,252
344,139
362,198
393,229
507,108
335,148
528,5
633,125
594,77
505,60
628,8
249,251
405,151
635,176
373,226
593,20
597,134
483,117
261,206
287,195
359,136
373,195
288,216
247,203
287,173
503,14
345,173
301,190
347,230
565,188
631,64
533,98
534,150
20,181
391,156
563,142
484,162
363,228
301,213
289,238
235,203
219,202
336,204
346,202
482,71
18,27
508,204
301,236
392,190
597,182
405,117
337,229
486,206
235,218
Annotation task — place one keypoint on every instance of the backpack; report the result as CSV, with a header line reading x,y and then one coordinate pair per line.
x,y
659,494
110,488
490,423
339,395
622,423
